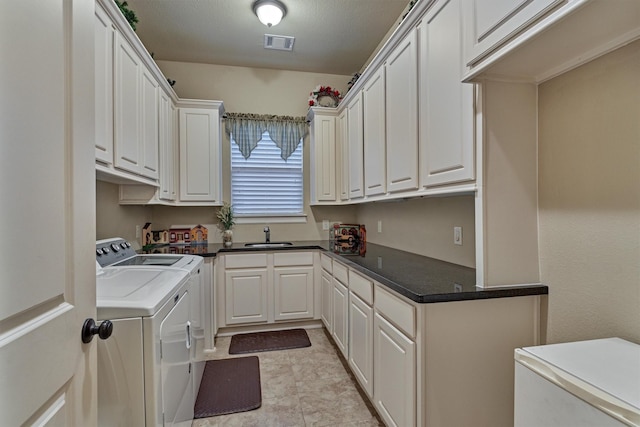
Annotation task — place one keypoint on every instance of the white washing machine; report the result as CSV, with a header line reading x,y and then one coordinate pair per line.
x,y
145,372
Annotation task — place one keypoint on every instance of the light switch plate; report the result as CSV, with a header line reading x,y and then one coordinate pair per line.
x,y
325,224
457,235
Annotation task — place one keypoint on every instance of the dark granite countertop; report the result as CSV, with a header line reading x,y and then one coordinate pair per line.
x,y
419,278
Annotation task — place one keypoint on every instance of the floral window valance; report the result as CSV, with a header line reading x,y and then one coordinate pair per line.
x,y
247,130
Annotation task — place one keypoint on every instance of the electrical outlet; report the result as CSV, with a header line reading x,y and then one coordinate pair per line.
x,y
457,235
137,231
379,226
325,224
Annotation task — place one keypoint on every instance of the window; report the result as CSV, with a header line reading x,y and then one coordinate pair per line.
x,y
264,184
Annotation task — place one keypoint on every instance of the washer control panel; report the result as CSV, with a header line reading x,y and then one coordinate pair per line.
x,y
111,251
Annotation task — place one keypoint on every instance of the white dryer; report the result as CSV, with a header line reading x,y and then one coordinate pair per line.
x,y
145,370
117,252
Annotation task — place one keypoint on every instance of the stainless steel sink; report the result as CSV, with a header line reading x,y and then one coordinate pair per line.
x,y
268,245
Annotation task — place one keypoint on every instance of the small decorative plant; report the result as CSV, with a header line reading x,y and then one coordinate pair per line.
x,y
225,216
129,14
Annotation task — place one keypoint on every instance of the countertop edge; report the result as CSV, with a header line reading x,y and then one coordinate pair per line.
x,y
478,294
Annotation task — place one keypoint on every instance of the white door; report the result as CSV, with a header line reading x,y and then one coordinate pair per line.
x,y
293,293
327,300
361,341
246,296
340,316
373,117
402,115
47,213
355,147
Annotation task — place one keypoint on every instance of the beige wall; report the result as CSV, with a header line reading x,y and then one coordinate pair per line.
x,y
424,226
589,198
113,220
249,90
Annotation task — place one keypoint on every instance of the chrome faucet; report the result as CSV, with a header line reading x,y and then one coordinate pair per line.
x,y
267,235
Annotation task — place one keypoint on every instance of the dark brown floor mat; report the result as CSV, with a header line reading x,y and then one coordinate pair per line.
x,y
269,341
229,386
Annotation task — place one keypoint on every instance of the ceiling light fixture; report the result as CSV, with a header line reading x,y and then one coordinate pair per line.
x,y
269,12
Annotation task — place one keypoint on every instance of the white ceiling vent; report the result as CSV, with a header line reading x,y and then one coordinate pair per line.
x,y
274,42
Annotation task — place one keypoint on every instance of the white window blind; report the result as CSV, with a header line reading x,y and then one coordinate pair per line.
x,y
264,184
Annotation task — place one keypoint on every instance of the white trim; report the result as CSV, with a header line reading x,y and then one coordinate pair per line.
x,y
271,219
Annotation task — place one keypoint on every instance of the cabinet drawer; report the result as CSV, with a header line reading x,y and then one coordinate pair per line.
x,y
361,287
292,258
325,261
245,260
340,272
396,311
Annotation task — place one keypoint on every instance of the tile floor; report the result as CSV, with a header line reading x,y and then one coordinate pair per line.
x,y
301,387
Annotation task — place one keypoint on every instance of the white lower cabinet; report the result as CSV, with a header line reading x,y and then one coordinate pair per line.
x,y
326,294
293,293
265,288
341,316
246,296
361,341
394,374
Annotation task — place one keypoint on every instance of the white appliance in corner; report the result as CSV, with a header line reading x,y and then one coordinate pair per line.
x,y
587,384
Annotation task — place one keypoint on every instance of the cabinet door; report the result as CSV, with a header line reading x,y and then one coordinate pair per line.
x,y
446,104
361,342
293,293
167,149
374,134
149,124
199,155
355,148
402,115
394,389
126,107
341,316
342,145
104,39
246,296
326,293
491,22
323,161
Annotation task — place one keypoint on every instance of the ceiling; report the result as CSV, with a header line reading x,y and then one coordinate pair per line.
x,y
331,36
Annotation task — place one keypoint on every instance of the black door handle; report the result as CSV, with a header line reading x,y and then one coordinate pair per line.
x,y
89,329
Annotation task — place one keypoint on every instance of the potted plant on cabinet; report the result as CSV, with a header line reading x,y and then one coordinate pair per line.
x,y
225,216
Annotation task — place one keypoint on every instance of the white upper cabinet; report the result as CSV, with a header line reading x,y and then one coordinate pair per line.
x,y
342,146
537,40
355,144
149,110
491,22
323,154
373,101
200,153
445,104
128,155
104,39
136,113
402,115
168,148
